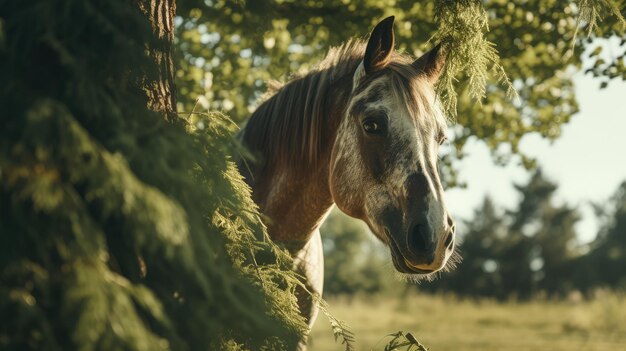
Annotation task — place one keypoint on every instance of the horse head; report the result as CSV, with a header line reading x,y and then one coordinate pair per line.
x,y
383,167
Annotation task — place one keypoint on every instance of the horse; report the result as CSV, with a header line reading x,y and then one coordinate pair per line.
x,y
361,130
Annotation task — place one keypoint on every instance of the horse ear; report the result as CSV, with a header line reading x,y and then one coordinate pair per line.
x,y
379,46
431,63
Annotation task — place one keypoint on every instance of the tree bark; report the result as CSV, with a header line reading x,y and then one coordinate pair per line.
x,y
161,89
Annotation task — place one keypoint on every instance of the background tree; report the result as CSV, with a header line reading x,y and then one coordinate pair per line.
x,y
556,247
546,238
602,266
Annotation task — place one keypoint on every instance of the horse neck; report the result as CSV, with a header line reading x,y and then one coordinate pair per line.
x,y
296,201
296,204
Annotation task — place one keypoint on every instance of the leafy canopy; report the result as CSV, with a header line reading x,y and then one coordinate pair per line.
x,y
512,57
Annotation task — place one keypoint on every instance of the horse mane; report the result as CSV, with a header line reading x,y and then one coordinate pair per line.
x,y
287,129
288,125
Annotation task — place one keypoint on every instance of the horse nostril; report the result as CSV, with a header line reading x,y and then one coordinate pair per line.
x,y
451,223
448,241
420,241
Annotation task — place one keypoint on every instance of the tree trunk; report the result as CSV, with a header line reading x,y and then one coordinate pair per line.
x,y
161,89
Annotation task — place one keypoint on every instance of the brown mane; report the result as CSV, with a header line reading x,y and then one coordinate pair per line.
x,y
288,125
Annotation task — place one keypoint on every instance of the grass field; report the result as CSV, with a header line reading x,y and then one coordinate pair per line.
x,y
448,323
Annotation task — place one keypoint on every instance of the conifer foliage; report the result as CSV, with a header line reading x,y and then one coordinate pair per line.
x,y
122,226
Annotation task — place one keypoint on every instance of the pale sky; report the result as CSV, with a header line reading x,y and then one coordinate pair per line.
x,y
588,161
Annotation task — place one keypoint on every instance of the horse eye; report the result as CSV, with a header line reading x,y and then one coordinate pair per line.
x,y
442,139
373,126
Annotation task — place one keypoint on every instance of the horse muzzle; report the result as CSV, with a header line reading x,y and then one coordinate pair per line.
x,y
423,252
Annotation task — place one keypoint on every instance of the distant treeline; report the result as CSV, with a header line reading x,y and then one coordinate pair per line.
x,y
533,249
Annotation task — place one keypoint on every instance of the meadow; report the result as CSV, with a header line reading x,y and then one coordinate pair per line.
x,y
446,323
